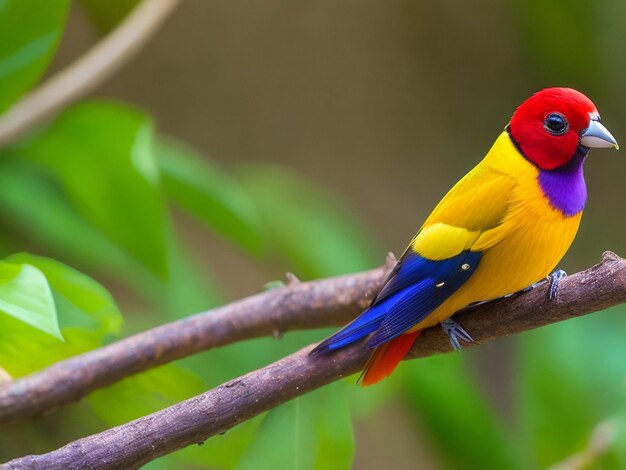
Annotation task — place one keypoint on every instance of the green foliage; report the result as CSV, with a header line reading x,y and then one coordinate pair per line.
x,y
333,427
87,314
307,225
55,224
448,403
30,31
314,432
83,301
210,194
189,288
97,196
123,198
24,350
144,393
590,387
25,295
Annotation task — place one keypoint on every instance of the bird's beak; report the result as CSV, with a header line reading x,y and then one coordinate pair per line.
x,y
596,135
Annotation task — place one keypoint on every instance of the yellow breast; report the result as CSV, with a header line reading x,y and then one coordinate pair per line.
x,y
521,235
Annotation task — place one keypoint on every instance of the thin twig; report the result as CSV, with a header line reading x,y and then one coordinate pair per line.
x,y
194,420
296,306
89,71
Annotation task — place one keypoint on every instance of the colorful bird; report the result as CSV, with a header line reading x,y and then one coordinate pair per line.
x,y
503,227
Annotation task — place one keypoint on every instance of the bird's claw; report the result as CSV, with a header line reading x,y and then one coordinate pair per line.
x,y
554,280
454,332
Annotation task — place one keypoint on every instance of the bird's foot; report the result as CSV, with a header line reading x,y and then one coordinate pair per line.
x,y
455,332
554,280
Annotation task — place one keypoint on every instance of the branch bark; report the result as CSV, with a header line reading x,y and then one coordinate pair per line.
x,y
297,306
194,420
89,71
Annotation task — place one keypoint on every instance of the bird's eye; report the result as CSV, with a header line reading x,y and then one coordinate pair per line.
x,y
556,124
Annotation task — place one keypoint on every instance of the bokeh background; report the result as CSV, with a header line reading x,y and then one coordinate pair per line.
x,y
343,123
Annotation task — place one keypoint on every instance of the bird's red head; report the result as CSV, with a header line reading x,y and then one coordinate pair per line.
x,y
549,126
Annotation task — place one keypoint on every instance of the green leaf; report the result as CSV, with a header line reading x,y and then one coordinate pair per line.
x,y
309,225
285,440
106,14
333,428
86,312
81,301
144,393
101,155
207,192
457,416
310,432
54,224
24,350
189,288
568,384
57,226
30,31
26,296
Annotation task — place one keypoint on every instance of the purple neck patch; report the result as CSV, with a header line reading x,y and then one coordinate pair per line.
x,y
565,187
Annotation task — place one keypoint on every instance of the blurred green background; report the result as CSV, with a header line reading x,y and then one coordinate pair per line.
x,y
253,138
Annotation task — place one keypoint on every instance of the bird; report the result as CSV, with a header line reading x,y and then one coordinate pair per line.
x,y
500,230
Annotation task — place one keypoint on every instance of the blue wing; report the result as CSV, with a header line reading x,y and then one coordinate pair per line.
x,y
415,288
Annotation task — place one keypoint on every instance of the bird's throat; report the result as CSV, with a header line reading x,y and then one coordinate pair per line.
x,y
565,187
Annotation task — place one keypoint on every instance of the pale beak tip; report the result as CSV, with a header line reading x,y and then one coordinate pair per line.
x,y
598,136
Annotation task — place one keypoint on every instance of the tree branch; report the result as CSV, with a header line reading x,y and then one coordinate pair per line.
x,y
297,306
194,420
89,71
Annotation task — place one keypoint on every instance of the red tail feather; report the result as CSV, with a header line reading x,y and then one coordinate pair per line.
x,y
386,358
